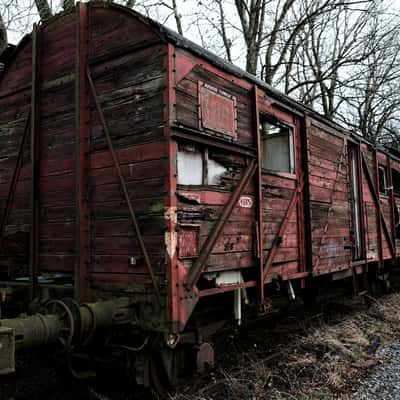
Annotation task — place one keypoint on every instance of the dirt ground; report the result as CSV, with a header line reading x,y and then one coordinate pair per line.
x,y
322,356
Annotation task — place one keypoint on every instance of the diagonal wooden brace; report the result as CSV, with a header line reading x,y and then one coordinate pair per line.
x,y
376,201
282,227
332,195
198,266
124,188
15,177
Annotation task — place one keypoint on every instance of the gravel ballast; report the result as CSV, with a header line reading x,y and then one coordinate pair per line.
x,y
384,382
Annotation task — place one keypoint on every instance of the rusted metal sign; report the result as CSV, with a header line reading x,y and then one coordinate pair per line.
x,y
217,110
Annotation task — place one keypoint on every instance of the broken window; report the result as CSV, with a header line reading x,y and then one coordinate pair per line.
x,y
190,166
396,181
215,171
277,146
382,171
196,167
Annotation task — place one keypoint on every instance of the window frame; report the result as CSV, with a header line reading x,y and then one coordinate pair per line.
x,y
203,151
383,185
396,188
272,120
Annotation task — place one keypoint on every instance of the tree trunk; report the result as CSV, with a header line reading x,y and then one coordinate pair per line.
x,y
44,10
3,35
68,5
224,36
251,59
177,17
131,3
252,23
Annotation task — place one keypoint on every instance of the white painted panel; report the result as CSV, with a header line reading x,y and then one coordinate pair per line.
x,y
228,278
215,171
190,167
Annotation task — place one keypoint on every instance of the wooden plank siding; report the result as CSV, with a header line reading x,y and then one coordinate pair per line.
x,y
375,242
239,236
130,87
329,201
235,247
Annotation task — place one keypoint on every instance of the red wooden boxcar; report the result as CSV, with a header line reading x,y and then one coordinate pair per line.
x,y
136,164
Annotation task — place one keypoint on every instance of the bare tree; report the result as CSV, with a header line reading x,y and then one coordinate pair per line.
x,y
214,28
130,3
287,33
251,15
177,16
155,10
43,9
68,5
372,101
3,35
223,31
336,56
335,44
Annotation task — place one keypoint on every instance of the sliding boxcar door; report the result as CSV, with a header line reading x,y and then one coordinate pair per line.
x,y
356,206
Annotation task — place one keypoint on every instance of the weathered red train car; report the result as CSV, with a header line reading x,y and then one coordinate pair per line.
x,y
148,186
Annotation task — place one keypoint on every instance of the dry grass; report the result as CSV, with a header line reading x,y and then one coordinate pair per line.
x,y
318,362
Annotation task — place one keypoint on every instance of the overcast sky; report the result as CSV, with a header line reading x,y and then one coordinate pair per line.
x,y
21,21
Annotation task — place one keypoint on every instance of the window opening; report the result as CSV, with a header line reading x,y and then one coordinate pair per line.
x,y
355,180
215,171
195,166
277,146
190,166
382,171
397,222
396,181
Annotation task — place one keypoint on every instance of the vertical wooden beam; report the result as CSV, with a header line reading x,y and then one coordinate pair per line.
x,y
35,160
301,172
305,155
81,156
299,188
392,204
171,150
362,208
378,207
259,197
